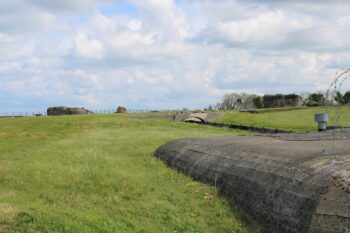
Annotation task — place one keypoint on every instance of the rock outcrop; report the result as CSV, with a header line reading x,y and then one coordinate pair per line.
x,y
285,186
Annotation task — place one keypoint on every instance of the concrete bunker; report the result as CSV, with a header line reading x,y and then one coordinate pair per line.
x,y
279,101
121,109
61,110
288,183
196,118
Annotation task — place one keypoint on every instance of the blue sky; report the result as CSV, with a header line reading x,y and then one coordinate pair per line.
x,y
165,54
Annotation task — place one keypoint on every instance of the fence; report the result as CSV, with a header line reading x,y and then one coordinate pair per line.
x,y
44,113
22,114
129,110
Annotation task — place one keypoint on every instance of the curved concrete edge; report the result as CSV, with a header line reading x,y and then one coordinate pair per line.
x,y
285,187
194,119
203,116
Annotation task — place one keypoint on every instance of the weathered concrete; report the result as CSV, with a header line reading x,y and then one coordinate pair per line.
x,y
283,186
198,111
181,116
202,117
279,100
194,120
121,109
55,111
197,117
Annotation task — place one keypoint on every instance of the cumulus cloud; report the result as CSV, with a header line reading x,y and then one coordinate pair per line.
x,y
88,48
164,18
165,54
68,5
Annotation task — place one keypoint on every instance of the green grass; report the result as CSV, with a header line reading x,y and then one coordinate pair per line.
x,y
97,173
298,120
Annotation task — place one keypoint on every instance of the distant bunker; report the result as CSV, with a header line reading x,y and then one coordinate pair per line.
x,y
196,117
279,101
182,116
121,109
56,111
288,183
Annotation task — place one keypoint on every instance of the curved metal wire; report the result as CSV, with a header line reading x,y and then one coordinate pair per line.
x,y
340,77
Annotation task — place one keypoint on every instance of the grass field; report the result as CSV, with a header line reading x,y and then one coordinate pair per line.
x,y
298,120
97,173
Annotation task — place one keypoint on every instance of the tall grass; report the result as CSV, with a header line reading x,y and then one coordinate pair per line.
x,y
98,174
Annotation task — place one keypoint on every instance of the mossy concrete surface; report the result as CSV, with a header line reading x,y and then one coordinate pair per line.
x,y
285,186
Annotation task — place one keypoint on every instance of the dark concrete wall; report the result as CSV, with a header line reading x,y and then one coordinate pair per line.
x,y
279,100
283,186
56,111
121,109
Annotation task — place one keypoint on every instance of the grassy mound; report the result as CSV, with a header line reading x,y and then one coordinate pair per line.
x,y
298,120
97,173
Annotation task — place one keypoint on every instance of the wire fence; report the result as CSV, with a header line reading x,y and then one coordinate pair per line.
x,y
22,114
44,113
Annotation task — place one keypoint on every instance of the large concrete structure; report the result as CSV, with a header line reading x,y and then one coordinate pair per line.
x,y
279,101
55,111
121,109
290,183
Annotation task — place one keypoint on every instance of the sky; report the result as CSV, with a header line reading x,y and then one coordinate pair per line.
x,y
166,54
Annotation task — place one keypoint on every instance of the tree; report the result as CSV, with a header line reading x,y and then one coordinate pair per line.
x,y
234,101
304,96
346,98
229,101
339,98
258,102
316,99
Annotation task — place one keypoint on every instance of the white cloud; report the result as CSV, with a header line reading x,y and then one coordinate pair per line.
x,y
134,25
88,48
9,67
87,99
164,18
266,25
68,5
166,54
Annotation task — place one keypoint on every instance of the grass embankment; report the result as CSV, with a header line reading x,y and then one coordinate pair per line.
x,y
97,173
298,120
